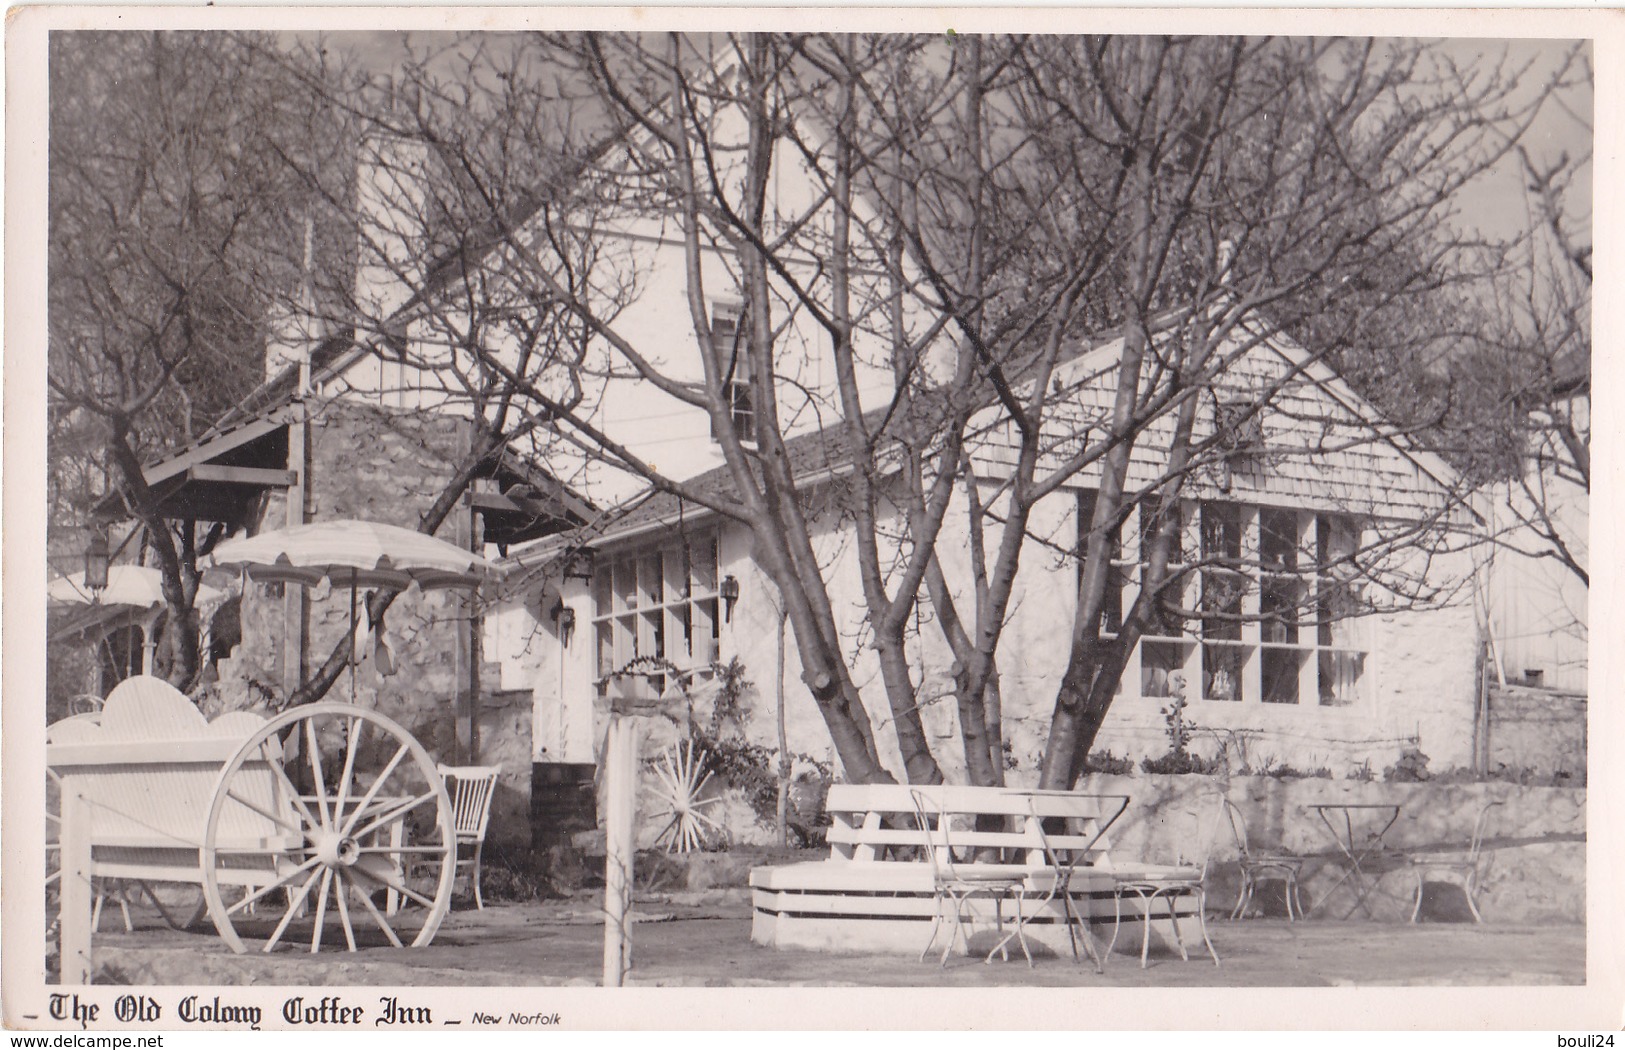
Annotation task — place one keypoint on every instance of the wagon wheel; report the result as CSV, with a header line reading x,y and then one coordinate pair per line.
x,y
682,779
352,835
53,845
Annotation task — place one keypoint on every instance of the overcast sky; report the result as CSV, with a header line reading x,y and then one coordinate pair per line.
x,y
1494,206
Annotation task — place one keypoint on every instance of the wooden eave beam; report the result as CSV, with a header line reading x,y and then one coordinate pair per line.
x,y
260,477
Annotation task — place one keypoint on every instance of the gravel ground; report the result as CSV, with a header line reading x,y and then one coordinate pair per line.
x,y
703,939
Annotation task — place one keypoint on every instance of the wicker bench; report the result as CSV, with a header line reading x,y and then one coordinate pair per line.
x,y
874,892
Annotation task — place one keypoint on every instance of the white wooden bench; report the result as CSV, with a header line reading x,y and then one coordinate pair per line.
x,y
875,890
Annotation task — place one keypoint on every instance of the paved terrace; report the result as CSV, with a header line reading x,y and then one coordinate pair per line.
x,y
703,939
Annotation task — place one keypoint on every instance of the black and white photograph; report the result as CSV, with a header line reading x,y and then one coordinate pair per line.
x,y
1027,521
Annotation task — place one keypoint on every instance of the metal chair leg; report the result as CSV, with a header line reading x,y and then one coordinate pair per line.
x,y
1173,919
1085,932
1145,927
1117,919
1201,923
1244,897
1002,946
1417,909
479,901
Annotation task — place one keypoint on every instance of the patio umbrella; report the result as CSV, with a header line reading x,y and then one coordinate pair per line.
x,y
357,553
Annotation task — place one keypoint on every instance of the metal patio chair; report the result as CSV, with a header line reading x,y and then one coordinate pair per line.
x,y
1258,866
1457,868
955,885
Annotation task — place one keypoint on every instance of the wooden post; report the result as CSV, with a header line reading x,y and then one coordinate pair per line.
x,y
293,597
476,630
74,882
620,767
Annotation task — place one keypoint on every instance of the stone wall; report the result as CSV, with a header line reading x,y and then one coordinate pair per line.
x,y
1542,730
389,466
1533,869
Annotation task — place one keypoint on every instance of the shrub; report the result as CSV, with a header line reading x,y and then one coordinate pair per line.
x,y
753,770
1180,762
1289,772
1412,768
1109,764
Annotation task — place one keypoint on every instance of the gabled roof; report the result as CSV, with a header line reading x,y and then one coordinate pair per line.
x,y
814,457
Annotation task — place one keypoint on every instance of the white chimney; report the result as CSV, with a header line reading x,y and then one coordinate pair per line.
x,y
393,221
294,330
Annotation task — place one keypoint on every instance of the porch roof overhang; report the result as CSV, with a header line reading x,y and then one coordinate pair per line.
x,y
95,621
521,503
221,477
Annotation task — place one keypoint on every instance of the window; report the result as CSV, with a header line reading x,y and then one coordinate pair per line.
x,y
1165,649
658,602
1281,595
730,334
1112,600
1224,583
1275,601
1341,664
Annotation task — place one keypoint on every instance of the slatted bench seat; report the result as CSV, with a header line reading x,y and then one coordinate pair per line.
x,y
875,890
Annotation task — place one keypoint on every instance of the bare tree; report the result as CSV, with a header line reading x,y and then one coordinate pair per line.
x,y
1199,196
168,205
472,233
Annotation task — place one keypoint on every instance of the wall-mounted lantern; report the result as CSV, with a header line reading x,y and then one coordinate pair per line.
x,y
729,593
567,625
98,559
579,563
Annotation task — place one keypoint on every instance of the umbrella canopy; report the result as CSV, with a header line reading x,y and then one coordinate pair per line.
x,y
356,554
140,586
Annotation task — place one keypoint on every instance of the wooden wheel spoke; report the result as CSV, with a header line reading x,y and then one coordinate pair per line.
x,y
293,909
706,819
341,897
281,883
321,910
315,761
372,792
255,807
311,820
377,916
394,813
400,849
391,880
352,742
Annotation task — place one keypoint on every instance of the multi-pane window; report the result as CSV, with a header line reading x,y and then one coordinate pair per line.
x,y
1165,647
1224,583
658,602
1272,595
1112,600
728,332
